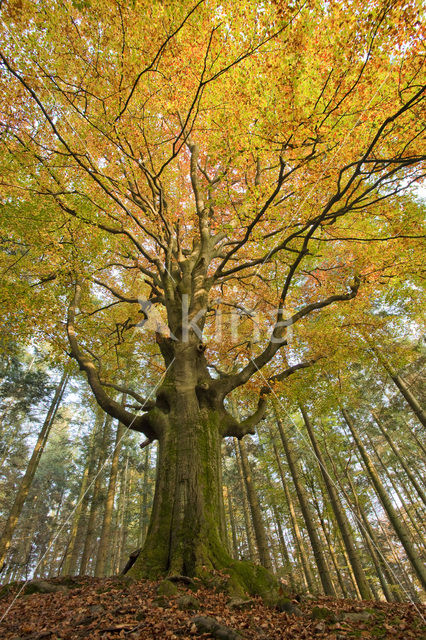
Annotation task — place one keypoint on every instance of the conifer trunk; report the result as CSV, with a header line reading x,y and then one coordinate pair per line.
x,y
421,493
342,521
370,538
283,546
400,529
258,525
402,386
144,498
406,516
69,561
320,559
25,484
251,544
102,567
95,498
232,524
298,540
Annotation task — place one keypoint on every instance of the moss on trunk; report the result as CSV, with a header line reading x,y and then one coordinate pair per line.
x,y
186,532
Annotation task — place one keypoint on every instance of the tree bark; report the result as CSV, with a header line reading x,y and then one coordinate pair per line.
x,y
102,565
25,484
342,521
421,493
400,529
320,559
298,540
251,543
95,499
258,524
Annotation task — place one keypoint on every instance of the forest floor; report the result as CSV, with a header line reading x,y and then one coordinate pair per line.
x,y
116,608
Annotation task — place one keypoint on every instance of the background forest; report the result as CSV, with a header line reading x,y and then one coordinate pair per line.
x,y
91,485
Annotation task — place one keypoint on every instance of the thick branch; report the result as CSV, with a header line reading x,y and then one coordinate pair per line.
x,y
232,427
288,372
145,404
114,409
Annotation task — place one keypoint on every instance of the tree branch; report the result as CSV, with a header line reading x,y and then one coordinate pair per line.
x,y
232,427
146,405
110,406
230,382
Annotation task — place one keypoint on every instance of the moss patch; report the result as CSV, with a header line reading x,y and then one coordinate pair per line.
x,y
167,588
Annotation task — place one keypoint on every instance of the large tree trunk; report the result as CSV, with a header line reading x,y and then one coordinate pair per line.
x,y
186,534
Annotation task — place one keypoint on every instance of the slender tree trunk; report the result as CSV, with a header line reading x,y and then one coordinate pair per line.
x,y
95,499
372,544
349,567
299,544
320,559
258,525
329,543
400,529
25,484
368,534
70,555
46,562
251,544
121,517
335,562
404,465
402,386
283,547
232,523
101,568
144,497
342,521
405,514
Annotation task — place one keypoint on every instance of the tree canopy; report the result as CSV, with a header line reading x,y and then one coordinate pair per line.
x,y
268,151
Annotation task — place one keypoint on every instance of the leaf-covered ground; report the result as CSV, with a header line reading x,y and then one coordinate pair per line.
x,y
116,608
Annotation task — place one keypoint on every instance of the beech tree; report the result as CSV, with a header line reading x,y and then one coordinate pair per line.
x,y
166,163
